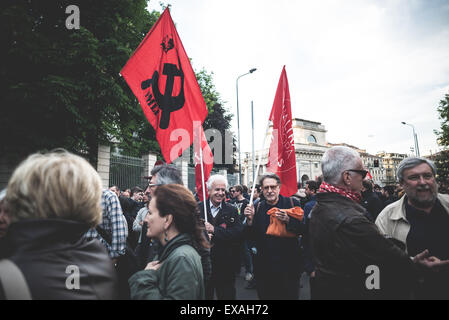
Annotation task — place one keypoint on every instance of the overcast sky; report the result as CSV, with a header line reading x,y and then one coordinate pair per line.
x,y
359,67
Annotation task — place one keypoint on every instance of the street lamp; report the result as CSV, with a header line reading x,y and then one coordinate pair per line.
x,y
238,121
415,137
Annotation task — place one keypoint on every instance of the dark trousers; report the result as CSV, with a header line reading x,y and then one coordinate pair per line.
x,y
277,285
222,284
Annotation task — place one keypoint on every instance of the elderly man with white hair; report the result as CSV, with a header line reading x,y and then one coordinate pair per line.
x,y
225,231
353,259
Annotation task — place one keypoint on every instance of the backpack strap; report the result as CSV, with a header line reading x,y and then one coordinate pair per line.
x,y
13,282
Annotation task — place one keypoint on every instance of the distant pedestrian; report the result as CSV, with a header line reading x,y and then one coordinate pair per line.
x,y
370,200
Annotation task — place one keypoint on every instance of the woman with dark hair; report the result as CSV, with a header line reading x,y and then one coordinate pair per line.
x,y
176,273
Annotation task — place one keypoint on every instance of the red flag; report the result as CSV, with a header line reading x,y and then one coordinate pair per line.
x,y
281,159
207,157
161,77
368,175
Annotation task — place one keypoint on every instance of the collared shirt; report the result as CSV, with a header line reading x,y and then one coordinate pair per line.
x,y
213,209
113,222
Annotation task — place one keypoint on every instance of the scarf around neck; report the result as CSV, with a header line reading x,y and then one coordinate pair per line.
x,y
328,188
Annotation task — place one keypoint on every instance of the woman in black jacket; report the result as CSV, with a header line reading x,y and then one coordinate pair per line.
x,y
52,200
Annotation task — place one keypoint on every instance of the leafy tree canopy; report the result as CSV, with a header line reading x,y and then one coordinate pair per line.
x,y
61,88
443,109
442,158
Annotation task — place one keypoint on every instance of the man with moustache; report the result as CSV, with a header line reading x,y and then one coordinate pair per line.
x,y
277,262
347,246
225,232
420,220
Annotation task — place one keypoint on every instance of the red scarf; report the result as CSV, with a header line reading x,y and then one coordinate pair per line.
x,y
328,188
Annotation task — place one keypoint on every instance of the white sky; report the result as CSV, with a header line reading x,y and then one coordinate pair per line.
x,y
359,67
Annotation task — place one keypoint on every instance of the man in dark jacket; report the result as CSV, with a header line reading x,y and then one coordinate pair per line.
x,y
353,259
388,195
225,231
277,263
370,200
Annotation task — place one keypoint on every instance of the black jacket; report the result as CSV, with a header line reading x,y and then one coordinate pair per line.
x,y
344,244
372,203
43,249
273,252
227,236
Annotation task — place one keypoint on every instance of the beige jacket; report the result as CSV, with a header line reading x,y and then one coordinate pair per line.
x,y
393,223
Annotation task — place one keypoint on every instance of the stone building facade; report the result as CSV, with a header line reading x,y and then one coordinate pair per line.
x,y
310,145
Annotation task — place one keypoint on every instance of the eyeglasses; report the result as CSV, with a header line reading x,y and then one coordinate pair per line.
x,y
270,187
363,173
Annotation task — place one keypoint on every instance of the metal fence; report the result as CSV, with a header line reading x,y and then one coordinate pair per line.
x,y
232,179
126,172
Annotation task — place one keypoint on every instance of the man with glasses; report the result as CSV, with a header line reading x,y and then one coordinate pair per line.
x,y
353,259
232,196
277,262
420,220
160,175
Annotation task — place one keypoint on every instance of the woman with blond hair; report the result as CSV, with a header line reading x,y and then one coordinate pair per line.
x,y
52,200
177,272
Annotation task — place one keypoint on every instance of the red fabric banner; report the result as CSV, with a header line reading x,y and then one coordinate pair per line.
x,y
161,77
281,159
208,160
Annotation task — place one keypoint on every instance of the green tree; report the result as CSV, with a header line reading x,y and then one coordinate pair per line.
x,y
442,158
443,109
60,87
218,118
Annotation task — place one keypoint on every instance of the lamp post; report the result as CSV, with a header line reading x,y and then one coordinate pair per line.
x,y
252,136
415,137
238,121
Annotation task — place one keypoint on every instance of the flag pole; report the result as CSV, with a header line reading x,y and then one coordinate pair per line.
x,y
258,164
202,176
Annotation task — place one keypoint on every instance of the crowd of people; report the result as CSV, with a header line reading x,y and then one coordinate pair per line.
x,y
62,236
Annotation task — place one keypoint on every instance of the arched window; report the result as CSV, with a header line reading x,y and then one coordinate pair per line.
x,y
311,139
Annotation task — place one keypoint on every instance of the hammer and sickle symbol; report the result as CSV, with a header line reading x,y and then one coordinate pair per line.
x,y
166,102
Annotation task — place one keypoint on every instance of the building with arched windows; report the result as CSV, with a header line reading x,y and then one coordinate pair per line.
x,y
310,145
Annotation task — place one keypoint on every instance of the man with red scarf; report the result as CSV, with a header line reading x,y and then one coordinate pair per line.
x,y
353,259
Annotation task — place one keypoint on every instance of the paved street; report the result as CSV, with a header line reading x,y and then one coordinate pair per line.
x,y
251,294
